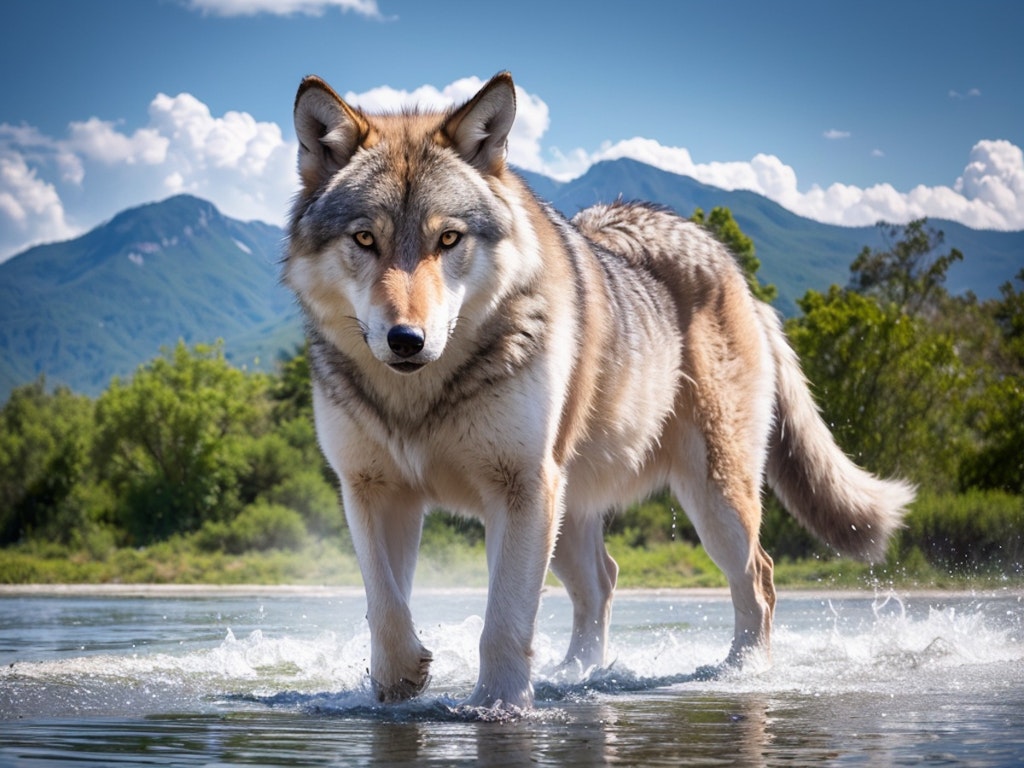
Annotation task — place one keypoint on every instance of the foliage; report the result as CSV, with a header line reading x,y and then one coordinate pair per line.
x,y
259,527
44,441
998,410
172,441
906,275
892,380
890,385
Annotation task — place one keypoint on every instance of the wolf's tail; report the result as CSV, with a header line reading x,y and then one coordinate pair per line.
x,y
840,503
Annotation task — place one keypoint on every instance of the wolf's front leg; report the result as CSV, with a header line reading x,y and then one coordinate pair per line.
x,y
520,538
386,530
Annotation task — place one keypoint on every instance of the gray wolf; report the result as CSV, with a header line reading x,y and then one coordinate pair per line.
x,y
473,350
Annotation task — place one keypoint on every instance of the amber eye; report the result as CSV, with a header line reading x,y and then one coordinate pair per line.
x,y
364,239
449,238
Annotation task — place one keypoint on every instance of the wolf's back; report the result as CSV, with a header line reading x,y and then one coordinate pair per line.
x,y
845,506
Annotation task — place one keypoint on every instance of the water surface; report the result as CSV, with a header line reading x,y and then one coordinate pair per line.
x,y
278,677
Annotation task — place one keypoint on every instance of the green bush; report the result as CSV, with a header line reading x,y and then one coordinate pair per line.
x,y
314,499
261,526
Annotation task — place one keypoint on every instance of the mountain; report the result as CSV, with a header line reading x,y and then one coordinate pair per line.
x,y
795,253
87,309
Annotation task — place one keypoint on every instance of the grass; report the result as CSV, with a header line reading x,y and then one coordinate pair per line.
x,y
448,563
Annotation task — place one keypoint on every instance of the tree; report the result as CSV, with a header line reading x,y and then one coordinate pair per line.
x,y
171,441
292,389
890,381
908,274
998,410
44,441
724,227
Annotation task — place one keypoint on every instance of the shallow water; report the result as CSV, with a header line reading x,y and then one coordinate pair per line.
x,y
278,677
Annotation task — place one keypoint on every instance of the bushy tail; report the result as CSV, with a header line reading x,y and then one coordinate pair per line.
x,y
840,503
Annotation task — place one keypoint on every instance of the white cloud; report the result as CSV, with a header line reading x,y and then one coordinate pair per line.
x,y
833,134
30,208
99,140
229,8
973,93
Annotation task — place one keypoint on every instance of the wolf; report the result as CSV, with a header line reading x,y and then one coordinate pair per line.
x,y
473,350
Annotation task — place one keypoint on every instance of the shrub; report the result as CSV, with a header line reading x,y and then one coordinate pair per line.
x,y
260,526
313,498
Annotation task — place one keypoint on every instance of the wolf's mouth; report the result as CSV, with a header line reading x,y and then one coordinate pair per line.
x,y
406,367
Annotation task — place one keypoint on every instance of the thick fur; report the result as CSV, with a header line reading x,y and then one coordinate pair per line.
x,y
473,350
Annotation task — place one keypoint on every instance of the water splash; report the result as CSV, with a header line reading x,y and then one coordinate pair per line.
x,y
820,646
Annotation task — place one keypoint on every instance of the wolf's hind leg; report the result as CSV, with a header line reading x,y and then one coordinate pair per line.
x,y
728,531
582,563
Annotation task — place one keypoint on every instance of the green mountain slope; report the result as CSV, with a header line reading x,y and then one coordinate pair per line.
x,y
97,306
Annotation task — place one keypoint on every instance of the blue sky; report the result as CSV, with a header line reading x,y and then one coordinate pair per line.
x,y
842,112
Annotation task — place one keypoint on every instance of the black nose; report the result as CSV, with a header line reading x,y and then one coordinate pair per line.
x,y
405,340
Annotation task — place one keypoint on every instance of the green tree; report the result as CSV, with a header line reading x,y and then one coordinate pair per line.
x,y
908,273
172,441
890,380
998,410
724,227
44,440
292,390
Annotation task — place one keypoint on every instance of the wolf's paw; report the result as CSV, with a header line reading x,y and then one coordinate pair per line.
x,y
752,659
507,698
408,685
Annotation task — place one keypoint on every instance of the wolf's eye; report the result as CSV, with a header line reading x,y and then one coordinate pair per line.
x,y
364,239
449,238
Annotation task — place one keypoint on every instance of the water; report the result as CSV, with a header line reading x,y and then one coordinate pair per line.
x,y
278,677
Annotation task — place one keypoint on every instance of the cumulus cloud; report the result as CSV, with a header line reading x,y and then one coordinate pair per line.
x,y
30,208
833,134
100,140
229,8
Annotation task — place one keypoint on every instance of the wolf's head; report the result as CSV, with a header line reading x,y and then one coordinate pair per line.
x,y
397,222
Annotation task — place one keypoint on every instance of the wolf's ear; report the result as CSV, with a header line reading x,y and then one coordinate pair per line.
x,y
478,130
329,132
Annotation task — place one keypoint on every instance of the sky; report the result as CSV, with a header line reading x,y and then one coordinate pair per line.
x,y
846,113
